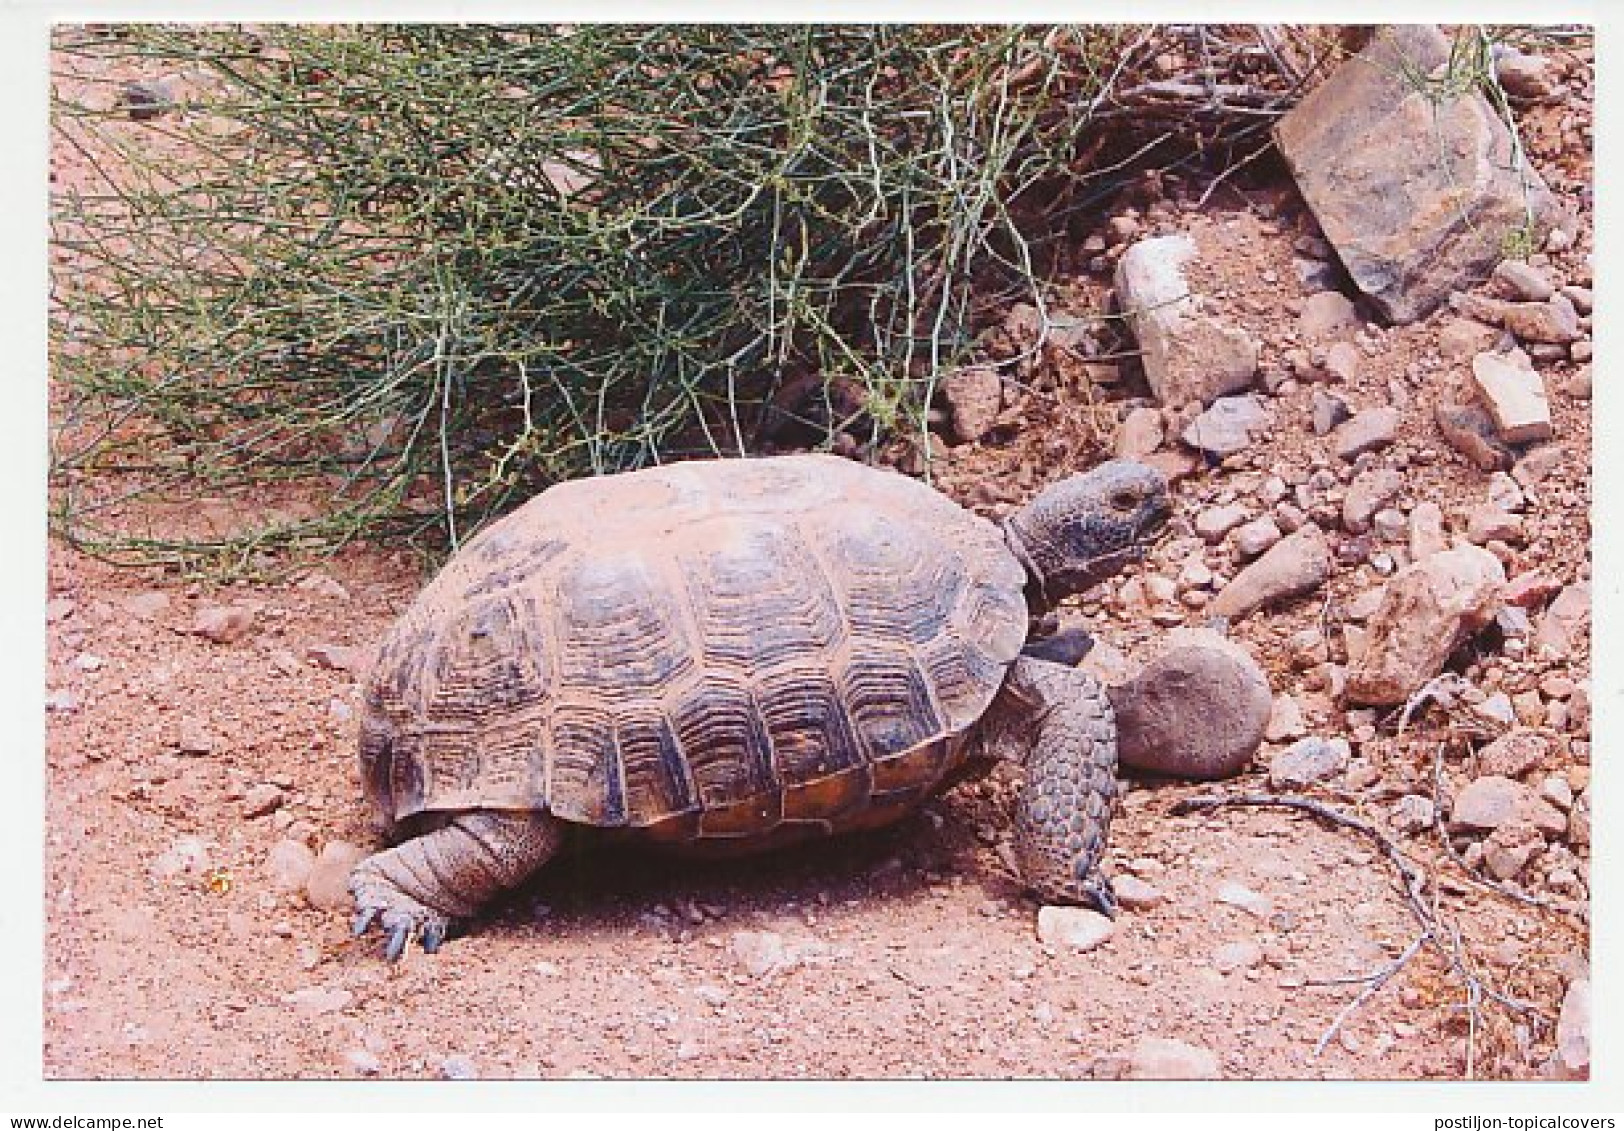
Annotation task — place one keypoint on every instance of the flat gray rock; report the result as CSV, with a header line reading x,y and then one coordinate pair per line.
x,y
1228,426
1418,191
1308,761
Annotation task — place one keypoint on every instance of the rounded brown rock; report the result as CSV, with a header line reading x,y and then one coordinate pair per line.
x,y
1199,710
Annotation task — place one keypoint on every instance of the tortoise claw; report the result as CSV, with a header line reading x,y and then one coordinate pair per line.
x,y
397,942
433,935
1096,892
362,921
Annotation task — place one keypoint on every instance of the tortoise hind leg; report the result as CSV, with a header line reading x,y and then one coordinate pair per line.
x,y
419,887
1070,757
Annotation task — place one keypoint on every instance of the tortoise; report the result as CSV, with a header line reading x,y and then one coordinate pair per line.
x,y
737,653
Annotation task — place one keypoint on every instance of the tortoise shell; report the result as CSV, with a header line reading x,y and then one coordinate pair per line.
x,y
700,650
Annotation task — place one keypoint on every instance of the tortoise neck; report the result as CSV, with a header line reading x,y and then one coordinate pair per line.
x,y
1038,599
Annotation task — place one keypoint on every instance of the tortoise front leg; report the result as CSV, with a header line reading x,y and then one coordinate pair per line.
x,y
419,887
1064,811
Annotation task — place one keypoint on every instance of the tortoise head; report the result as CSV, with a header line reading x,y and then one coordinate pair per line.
x,y
1083,529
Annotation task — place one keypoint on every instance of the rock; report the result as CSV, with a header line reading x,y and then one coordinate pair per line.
x,y
324,585
193,740
1514,753
1460,338
1326,315
1573,1032
1488,523
1256,537
1367,431
1416,187
328,884
1522,281
1578,830
1553,321
1515,396
1342,362
1536,464
1234,956
1294,566
1412,814
146,100
1309,761
1582,298
1489,802
1175,465
1507,850
1195,574
62,700
1249,901
59,609
1160,1058
1140,434
1214,522
760,952
1228,426
1390,524
1136,894
1504,492
1427,530
1472,432
1512,623
459,1067
185,856
146,606
1199,710
1327,412
318,1000
338,657
1428,609
1074,927
261,800
1369,492
1565,622
1556,790
1122,229
363,1061
223,624
1188,355
1285,720
975,396
288,864
1527,78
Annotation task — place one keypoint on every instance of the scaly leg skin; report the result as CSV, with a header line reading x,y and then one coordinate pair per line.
x,y
1064,812
415,890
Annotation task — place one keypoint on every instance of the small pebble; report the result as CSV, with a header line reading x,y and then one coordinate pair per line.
x,y
1236,956
1254,903
1136,894
1161,1058
459,1067
1074,927
363,1061
261,800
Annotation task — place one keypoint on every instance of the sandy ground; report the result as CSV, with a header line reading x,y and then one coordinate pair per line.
x,y
188,781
